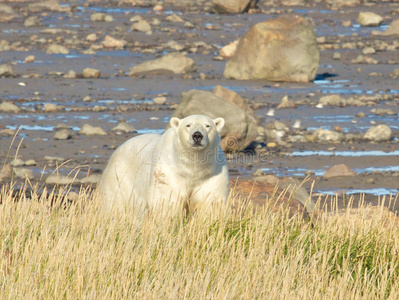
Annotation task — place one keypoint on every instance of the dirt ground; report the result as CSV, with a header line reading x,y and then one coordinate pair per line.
x,y
115,95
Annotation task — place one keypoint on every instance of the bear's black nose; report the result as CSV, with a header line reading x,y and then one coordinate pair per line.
x,y
197,136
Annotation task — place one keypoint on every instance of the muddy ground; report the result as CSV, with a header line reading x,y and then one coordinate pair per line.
x,y
115,95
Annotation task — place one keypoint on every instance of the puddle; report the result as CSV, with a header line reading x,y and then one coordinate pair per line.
x,y
31,127
150,130
312,11
374,191
118,10
344,153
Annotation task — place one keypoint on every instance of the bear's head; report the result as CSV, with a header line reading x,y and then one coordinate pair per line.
x,y
197,131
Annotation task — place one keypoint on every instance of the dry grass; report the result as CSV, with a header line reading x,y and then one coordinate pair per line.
x,y
77,252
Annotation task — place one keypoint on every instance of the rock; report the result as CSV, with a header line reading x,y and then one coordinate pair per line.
x,y
30,162
231,97
5,172
379,133
58,179
393,28
333,100
173,62
110,42
369,19
394,74
142,26
91,73
123,126
338,171
4,45
56,49
7,132
136,18
91,130
108,18
337,56
229,50
54,158
6,71
159,100
261,192
328,135
23,173
240,126
9,107
231,6
17,162
286,103
63,134
50,107
50,5
70,74
383,111
174,19
32,21
29,59
158,7
282,49
368,50
92,37
91,179
97,17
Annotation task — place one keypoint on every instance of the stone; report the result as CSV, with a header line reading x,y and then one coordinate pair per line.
x,y
240,126
91,179
56,49
4,45
91,130
63,134
7,132
231,97
286,103
383,111
32,21
230,6
29,59
174,62
6,71
229,50
338,171
58,179
50,107
70,74
328,135
261,192
159,100
50,5
369,19
141,26
108,18
9,107
5,172
92,37
91,73
17,162
97,17
379,133
123,126
281,49
394,74
111,42
368,50
393,28
30,162
23,173
174,19
333,100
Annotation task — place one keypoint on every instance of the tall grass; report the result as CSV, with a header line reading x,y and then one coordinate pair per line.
x,y
49,250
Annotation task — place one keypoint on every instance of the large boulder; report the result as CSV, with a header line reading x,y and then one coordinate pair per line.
x,y
369,19
282,49
240,127
393,28
231,6
174,62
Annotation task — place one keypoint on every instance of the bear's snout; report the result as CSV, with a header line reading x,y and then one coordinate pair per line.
x,y
197,137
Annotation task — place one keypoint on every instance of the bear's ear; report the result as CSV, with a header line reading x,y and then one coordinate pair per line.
x,y
219,123
175,122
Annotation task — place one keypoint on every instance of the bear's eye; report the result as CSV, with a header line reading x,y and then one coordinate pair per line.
x,y
207,125
188,125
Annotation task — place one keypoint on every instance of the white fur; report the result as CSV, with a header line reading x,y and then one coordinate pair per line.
x,y
168,170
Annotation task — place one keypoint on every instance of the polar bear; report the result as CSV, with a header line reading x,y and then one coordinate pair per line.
x,y
183,166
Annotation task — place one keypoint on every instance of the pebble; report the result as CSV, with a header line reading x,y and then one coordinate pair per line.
x,y
50,107
92,37
91,73
17,162
91,130
23,173
160,100
63,134
29,59
111,42
57,49
9,107
141,26
286,103
333,100
5,172
379,133
70,74
369,19
339,171
6,71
